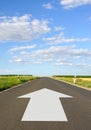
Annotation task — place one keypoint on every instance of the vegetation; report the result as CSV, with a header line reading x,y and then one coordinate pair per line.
x,y
84,81
7,81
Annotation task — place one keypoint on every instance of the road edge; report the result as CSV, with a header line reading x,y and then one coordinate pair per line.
x,y
16,86
72,84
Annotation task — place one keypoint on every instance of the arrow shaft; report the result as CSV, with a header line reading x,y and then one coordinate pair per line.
x,y
44,109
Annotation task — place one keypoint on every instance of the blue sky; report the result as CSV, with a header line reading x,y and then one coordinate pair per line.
x,y
51,37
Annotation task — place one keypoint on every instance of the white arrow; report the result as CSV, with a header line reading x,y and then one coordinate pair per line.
x,y
44,105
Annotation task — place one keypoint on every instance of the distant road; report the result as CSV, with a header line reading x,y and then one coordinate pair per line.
x,y
77,109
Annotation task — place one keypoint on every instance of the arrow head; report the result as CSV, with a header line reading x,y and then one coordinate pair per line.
x,y
45,93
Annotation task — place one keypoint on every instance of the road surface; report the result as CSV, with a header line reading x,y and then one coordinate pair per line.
x,y
77,108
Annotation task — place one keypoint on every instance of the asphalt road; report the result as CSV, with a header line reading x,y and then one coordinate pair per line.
x,y
77,109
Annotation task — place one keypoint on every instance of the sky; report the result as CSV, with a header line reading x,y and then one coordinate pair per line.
x,y
51,37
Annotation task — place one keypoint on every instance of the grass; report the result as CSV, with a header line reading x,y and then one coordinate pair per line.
x,y
84,81
10,81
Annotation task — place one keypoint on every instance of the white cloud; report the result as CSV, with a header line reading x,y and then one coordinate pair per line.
x,y
57,55
83,65
64,64
58,28
21,48
22,28
80,65
74,3
18,60
60,38
12,71
48,6
42,55
80,52
64,61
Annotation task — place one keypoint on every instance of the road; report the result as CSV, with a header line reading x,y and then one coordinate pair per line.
x,y
77,108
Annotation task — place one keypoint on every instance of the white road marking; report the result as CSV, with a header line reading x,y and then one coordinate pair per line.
x,y
44,105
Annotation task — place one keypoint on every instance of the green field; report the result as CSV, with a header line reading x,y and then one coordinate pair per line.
x,y
84,81
8,81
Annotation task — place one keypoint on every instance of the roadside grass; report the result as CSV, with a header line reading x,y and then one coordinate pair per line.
x,y
84,81
10,81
